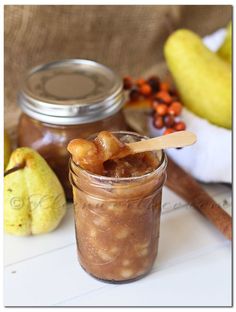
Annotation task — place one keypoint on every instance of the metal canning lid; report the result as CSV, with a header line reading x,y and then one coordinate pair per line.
x,y
70,92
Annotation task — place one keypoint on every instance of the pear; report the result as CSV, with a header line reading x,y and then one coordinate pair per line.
x,y
202,78
7,148
225,51
34,200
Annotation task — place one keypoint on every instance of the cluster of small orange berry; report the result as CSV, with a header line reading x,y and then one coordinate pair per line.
x,y
164,101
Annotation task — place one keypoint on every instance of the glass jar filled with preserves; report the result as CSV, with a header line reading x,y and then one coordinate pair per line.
x,y
117,212
65,100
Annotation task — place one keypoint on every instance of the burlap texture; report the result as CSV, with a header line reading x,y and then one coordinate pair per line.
x,y
129,39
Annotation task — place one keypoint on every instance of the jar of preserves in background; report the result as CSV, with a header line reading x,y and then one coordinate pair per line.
x,y
117,220
64,100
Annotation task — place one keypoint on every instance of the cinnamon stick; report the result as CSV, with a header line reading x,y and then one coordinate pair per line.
x,y
186,187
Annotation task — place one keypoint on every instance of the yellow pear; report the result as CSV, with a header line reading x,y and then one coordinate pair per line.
x,y
202,78
7,148
34,200
225,51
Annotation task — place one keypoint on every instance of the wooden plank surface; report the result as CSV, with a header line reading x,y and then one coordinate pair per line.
x,y
192,268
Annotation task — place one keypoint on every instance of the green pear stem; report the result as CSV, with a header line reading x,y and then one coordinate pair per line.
x,y
14,169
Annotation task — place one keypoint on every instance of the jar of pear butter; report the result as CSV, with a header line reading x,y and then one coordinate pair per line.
x,y
117,215
64,100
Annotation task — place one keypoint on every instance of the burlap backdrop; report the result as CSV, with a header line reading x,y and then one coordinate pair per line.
x,y
129,39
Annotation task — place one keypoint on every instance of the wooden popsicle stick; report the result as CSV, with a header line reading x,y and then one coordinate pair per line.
x,y
186,187
176,139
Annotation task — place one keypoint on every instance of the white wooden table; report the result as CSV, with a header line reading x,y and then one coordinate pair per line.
x,y
193,267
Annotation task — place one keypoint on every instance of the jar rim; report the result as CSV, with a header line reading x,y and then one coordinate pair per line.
x,y
162,166
104,95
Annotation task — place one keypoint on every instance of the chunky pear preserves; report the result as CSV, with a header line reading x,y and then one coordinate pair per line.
x,y
117,203
107,155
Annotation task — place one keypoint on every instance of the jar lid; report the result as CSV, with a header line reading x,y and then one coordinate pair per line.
x,y
70,92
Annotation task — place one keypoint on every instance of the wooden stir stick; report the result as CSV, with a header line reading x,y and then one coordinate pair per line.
x,y
176,139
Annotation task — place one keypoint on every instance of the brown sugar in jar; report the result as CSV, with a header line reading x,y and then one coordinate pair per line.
x,y
117,219
64,100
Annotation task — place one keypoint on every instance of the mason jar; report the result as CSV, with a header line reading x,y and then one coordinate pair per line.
x,y
64,100
117,220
